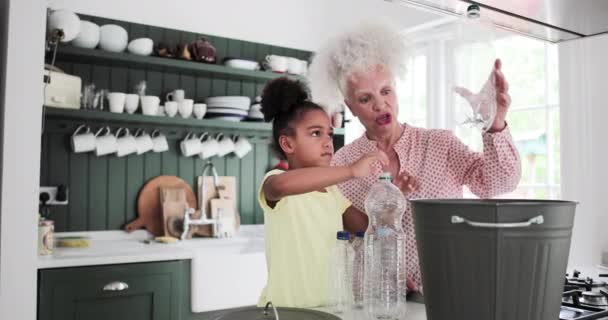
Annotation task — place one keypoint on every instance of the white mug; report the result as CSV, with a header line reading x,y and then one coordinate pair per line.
x,y
159,142
105,144
185,108
294,66
277,63
176,95
126,143
117,101
199,110
143,141
242,146
149,105
131,103
191,145
226,145
171,108
83,142
209,146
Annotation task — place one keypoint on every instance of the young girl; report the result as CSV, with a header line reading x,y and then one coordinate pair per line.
x,y
303,209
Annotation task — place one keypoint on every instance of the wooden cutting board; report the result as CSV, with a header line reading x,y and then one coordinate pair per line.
x,y
149,208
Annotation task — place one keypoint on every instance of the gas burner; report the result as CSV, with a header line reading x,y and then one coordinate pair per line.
x,y
595,299
584,298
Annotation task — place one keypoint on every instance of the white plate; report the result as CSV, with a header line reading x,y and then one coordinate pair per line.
x,y
226,118
242,64
238,100
227,110
243,107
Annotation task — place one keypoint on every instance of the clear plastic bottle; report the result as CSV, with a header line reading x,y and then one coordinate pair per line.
x,y
385,273
473,85
340,276
358,269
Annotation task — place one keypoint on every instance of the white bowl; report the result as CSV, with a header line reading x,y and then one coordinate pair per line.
x,y
113,38
141,46
88,37
243,64
64,20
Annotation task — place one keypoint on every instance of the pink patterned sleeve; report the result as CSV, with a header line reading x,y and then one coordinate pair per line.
x,y
495,171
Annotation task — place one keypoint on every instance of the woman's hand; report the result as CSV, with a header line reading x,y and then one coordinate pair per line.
x,y
364,166
406,183
503,99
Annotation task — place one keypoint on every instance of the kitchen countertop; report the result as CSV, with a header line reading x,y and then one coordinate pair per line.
x,y
115,247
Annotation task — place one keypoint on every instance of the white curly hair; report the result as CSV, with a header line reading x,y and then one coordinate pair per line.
x,y
367,46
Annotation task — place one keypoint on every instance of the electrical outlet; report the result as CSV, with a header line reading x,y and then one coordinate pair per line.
x,y
51,192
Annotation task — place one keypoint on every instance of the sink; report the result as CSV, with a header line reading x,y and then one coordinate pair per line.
x,y
226,273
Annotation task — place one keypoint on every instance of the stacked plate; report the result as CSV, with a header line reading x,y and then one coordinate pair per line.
x,y
229,108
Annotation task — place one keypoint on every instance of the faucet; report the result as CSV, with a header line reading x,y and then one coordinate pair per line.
x,y
203,220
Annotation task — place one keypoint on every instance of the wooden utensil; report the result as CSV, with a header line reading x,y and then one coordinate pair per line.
x,y
149,207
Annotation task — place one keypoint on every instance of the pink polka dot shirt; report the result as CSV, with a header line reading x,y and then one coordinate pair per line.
x,y
443,165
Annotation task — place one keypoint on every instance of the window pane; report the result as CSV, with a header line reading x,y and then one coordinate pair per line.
x,y
523,63
412,92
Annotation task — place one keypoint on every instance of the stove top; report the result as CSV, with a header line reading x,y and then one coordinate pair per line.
x,y
584,298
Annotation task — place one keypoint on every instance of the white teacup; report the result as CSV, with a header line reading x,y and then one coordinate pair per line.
x,y
277,63
126,143
171,108
83,140
106,143
131,103
185,108
117,101
159,142
294,66
149,105
191,145
143,141
209,146
199,110
226,145
242,146
176,95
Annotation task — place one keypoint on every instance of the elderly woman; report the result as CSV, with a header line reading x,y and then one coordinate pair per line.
x,y
359,69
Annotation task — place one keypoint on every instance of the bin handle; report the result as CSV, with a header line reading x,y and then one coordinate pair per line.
x,y
536,220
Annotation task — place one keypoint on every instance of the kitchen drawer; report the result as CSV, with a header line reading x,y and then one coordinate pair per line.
x,y
78,293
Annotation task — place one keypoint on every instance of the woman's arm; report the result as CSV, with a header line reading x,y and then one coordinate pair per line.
x,y
298,181
495,171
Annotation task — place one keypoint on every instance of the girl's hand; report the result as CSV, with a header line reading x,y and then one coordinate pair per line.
x,y
364,166
406,183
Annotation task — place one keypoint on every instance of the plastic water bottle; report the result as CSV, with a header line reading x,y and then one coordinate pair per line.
x,y
358,269
340,277
385,273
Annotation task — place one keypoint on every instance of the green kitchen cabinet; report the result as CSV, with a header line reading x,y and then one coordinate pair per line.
x,y
140,291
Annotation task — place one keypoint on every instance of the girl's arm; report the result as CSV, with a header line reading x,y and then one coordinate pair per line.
x,y
304,180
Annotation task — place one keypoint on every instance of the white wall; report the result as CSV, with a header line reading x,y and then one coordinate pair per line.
x,y
584,152
300,24
21,128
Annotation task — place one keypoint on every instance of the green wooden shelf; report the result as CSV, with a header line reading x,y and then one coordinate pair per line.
x,y
125,59
106,116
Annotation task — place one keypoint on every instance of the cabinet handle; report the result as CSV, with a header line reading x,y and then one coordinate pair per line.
x,y
116,286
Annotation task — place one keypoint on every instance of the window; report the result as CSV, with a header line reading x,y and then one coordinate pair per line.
x,y
531,69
